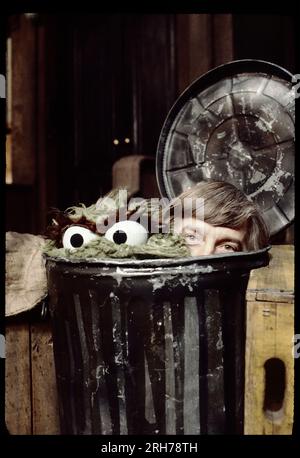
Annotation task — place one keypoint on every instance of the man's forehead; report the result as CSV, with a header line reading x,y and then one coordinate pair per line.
x,y
199,226
225,233
191,224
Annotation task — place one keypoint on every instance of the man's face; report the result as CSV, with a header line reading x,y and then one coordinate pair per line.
x,y
203,239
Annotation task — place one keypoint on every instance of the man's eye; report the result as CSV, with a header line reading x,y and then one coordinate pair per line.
x,y
228,247
193,239
129,232
190,237
77,236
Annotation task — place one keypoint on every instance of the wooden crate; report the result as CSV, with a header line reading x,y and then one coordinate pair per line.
x,y
270,331
31,399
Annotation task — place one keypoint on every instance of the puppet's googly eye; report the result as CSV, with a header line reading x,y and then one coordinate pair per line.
x,y
129,232
77,236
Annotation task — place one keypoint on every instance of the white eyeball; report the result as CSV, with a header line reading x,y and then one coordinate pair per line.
x,y
129,232
77,236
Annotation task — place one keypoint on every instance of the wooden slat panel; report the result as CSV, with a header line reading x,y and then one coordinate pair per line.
x,y
270,327
279,275
204,41
223,38
194,47
23,100
17,375
275,296
44,394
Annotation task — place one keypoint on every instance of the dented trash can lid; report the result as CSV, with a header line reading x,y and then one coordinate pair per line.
x,y
235,123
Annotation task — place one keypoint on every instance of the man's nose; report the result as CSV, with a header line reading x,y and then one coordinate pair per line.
x,y
202,250
209,244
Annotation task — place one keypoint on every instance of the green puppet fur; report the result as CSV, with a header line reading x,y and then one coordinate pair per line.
x,y
157,246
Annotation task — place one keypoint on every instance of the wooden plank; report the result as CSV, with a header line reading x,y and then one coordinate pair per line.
x,y
44,394
269,295
279,275
223,38
200,45
250,295
270,328
194,50
204,41
17,379
275,296
23,101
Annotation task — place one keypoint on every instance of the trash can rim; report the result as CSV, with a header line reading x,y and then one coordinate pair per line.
x,y
161,262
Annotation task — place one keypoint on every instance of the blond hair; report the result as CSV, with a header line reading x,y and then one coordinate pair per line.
x,y
227,206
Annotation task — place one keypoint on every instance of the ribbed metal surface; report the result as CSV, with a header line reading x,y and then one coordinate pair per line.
x,y
236,123
148,354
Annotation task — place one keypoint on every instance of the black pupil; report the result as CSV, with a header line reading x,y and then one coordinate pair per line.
x,y
119,237
76,240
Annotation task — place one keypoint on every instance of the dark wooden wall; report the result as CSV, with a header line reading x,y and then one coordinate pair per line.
x,y
89,81
268,37
82,81
121,67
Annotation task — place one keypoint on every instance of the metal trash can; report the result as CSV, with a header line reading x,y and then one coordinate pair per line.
x,y
151,346
157,346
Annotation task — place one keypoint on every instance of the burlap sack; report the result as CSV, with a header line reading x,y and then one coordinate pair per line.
x,y
25,273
